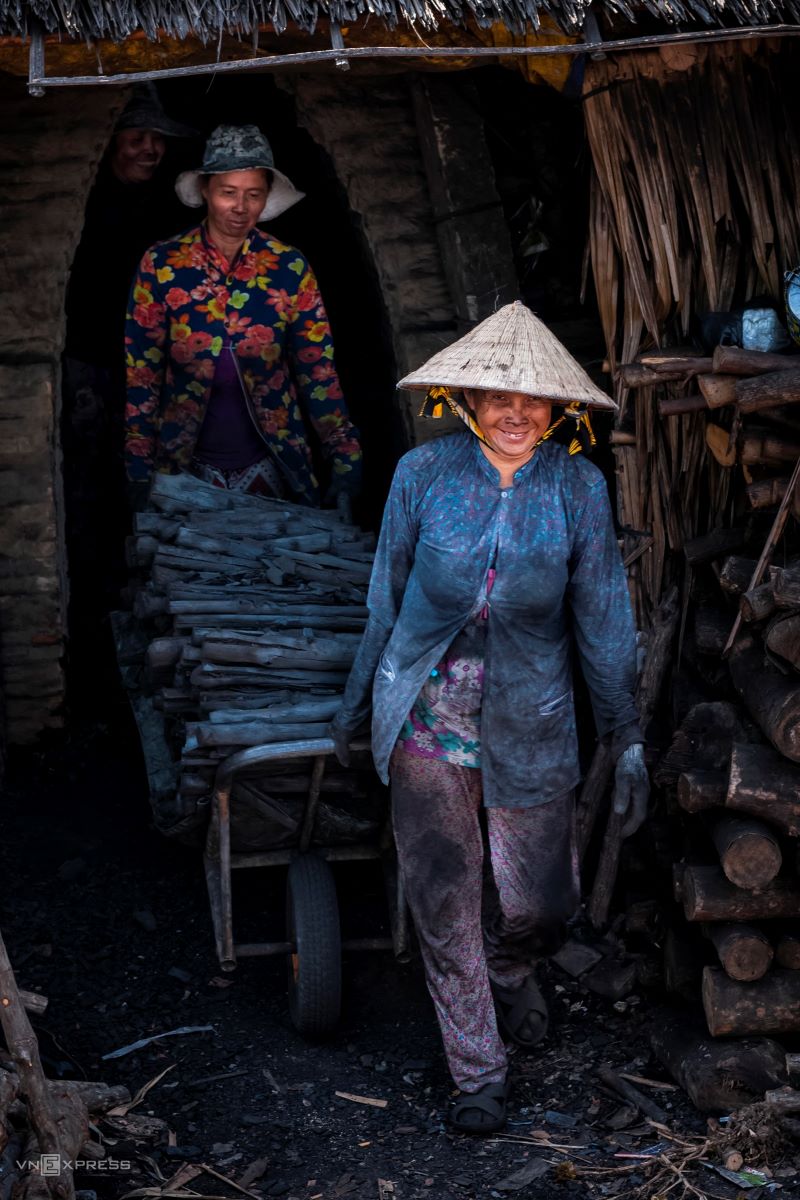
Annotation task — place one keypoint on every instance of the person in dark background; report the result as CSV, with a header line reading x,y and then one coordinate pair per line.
x,y
131,204
229,351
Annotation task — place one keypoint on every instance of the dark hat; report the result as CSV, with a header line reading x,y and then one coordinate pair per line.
x,y
145,111
239,148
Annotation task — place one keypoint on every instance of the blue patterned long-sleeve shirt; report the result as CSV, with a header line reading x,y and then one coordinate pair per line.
x,y
559,586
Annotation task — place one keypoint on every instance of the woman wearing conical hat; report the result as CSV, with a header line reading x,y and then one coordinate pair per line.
x,y
497,562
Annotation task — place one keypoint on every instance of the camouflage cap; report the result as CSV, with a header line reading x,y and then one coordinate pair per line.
x,y
239,148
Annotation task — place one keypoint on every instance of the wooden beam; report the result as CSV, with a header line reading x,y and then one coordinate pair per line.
x,y
772,698
466,205
769,1005
709,896
765,785
275,62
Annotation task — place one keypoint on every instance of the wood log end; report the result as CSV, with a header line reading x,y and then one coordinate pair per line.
x,y
718,390
754,864
718,441
744,952
699,790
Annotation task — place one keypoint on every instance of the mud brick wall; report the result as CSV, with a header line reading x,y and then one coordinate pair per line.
x,y
397,149
49,151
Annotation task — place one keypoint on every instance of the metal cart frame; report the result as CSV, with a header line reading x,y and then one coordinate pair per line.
x,y
220,862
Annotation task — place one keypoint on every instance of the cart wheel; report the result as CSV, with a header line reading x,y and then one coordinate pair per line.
x,y
315,967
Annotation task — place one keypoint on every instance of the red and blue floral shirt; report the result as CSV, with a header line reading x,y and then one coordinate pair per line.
x,y
186,304
445,722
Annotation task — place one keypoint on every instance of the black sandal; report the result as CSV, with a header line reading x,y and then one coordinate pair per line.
x,y
489,1106
515,1007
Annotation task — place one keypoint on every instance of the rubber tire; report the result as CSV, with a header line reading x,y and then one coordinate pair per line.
x,y
315,969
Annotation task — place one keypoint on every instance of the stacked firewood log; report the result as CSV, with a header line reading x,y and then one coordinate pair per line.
x,y
749,902
732,769
748,397
246,619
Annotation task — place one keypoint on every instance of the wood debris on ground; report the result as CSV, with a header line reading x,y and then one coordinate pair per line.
x,y
370,1101
45,1124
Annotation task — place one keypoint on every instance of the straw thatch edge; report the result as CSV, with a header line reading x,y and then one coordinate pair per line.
x,y
118,19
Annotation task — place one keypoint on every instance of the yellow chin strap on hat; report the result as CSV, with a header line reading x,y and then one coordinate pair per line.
x,y
434,404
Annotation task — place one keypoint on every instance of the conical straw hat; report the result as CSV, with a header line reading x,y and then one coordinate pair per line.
x,y
511,351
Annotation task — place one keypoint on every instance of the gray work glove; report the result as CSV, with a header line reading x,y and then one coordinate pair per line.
x,y
342,736
631,788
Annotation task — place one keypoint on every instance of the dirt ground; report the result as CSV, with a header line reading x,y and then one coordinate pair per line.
x,y
111,921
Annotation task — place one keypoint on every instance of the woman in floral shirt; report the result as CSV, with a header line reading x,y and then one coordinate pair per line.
x,y
228,348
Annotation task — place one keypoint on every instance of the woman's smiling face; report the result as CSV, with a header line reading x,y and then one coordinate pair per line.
x,y
235,200
512,423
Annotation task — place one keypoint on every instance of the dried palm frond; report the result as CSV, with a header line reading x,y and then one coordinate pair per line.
x,y
695,206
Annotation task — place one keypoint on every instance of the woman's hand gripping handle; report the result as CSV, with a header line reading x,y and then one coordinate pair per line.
x,y
631,788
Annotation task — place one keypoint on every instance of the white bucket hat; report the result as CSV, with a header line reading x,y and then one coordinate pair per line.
x,y
239,148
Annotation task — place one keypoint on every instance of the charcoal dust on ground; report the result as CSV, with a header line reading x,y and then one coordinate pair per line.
x,y
110,920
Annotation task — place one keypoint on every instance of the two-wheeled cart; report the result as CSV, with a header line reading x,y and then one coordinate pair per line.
x,y
313,945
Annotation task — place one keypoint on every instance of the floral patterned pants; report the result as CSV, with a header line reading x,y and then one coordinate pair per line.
x,y
261,479
477,914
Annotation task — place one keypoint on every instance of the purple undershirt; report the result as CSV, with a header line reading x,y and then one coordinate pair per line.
x,y
228,438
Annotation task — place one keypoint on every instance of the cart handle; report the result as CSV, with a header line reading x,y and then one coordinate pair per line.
x,y
259,756
220,828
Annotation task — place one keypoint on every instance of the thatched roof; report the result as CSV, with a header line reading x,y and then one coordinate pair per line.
x,y
207,19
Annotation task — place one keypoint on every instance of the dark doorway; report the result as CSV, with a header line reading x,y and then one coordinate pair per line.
x,y
537,143
541,161
326,230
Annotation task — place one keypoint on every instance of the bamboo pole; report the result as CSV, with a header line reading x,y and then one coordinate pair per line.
x,y
38,81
